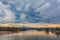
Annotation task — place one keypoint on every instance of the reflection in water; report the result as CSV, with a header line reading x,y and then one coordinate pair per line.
x,y
30,35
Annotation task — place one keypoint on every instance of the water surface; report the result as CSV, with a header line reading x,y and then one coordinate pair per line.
x,y
31,35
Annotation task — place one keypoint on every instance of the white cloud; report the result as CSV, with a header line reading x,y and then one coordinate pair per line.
x,y
0,19
45,6
22,16
9,16
6,14
58,0
27,6
19,8
37,3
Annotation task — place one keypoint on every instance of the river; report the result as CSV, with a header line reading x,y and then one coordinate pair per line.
x,y
30,35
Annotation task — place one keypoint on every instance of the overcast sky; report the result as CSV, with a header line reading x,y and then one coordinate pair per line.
x,y
30,11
